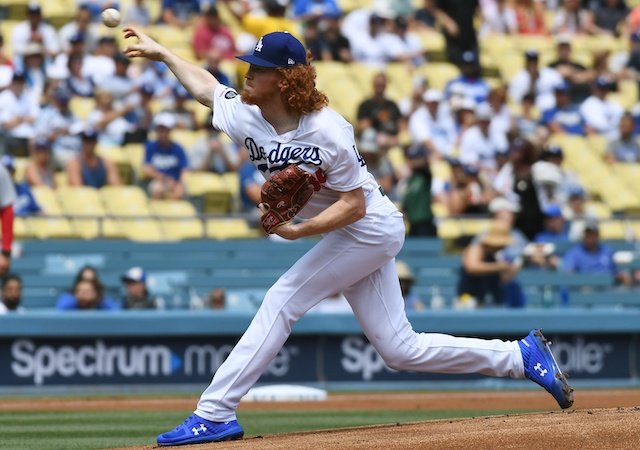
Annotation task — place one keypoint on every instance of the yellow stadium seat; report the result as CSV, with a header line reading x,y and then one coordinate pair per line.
x,y
51,227
46,198
232,181
612,229
471,227
432,42
439,209
82,106
232,228
197,183
21,229
172,208
124,201
438,74
144,229
186,138
21,164
182,228
80,201
135,157
449,229
601,210
61,179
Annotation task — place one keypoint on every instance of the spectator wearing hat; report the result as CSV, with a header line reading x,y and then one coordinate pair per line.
x,y
556,228
39,170
184,116
25,203
366,47
137,14
212,33
416,198
75,45
479,144
80,26
503,120
11,294
485,268
431,125
34,29
382,114
626,148
164,161
578,213
407,279
531,17
577,76
100,64
137,295
473,86
59,125
564,117
602,116
120,85
567,181
7,200
539,81
592,256
34,67
19,110
141,115
89,169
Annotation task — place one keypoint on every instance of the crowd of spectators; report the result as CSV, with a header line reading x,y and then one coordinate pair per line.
x,y
472,142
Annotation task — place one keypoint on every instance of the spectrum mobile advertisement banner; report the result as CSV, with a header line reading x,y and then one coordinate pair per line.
x,y
86,361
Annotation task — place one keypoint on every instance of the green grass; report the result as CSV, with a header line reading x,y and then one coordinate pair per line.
x,y
86,430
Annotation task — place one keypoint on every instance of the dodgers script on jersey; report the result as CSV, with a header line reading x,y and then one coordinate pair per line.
x,y
323,145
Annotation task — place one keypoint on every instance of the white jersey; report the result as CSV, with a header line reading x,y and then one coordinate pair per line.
x,y
323,145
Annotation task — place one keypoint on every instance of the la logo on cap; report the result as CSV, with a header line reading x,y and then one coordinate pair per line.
x,y
291,62
259,45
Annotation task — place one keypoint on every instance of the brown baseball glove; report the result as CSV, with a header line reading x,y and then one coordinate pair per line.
x,y
283,195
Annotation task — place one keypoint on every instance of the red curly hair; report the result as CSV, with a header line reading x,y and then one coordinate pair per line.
x,y
299,92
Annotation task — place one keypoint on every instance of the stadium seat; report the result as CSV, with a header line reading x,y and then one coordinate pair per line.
x,y
449,229
438,74
612,230
217,196
51,227
177,229
85,205
232,228
82,106
46,198
21,229
172,208
124,201
141,229
135,157
21,164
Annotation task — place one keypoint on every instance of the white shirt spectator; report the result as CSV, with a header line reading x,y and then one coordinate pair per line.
x,y
91,36
496,20
440,130
400,48
602,115
545,86
478,149
26,105
21,36
112,134
98,68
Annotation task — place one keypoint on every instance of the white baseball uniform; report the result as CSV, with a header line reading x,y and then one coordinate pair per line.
x,y
357,260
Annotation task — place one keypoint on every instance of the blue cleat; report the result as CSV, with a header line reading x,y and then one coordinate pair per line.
x,y
196,430
540,366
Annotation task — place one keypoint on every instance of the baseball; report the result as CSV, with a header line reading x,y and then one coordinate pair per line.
x,y
111,17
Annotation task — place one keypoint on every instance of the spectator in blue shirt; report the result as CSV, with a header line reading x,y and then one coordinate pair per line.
x,y
250,182
591,256
564,117
469,79
313,9
555,226
25,204
86,295
180,13
164,161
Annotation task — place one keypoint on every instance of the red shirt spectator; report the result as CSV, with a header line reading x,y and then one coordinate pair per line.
x,y
211,33
530,16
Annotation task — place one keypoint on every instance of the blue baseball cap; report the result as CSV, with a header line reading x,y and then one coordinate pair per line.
x,y
563,87
553,211
603,82
553,150
470,57
135,275
277,49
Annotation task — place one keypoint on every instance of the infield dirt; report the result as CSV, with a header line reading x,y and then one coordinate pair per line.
x,y
600,420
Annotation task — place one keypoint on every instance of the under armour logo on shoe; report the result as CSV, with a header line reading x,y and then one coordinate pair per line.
x,y
197,430
259,45
539,368
291,62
